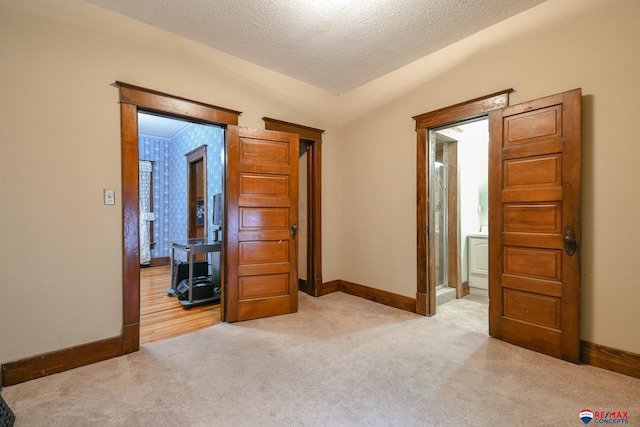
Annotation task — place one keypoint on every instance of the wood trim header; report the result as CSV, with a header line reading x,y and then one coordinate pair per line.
x,y
160,102
305,132
464,110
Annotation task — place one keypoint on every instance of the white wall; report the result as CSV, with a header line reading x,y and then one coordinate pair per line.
x,y
557,46
61,252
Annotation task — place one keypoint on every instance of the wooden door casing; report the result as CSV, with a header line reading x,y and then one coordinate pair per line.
x,y
196,190
312,138
535,191
475,108
132,99
262,207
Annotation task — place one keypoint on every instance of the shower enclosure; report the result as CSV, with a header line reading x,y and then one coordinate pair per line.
x,y
443,267
440,212
440,224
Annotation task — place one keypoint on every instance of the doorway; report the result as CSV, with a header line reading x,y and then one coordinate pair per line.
x,y
428,144
197,193
310,202
458,211
534,218
135,98
187,160
132,100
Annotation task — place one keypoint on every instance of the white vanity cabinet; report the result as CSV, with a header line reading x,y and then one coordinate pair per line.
x,y
478,245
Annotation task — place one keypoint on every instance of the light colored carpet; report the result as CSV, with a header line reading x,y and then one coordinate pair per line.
x,y
340,361
470,312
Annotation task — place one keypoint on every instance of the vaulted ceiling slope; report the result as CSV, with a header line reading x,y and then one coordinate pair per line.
x,y
336,45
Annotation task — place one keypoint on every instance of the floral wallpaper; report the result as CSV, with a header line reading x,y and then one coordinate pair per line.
x,y
156,149
170,180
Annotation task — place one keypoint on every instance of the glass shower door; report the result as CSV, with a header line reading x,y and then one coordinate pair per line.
x,y
440,223
439,211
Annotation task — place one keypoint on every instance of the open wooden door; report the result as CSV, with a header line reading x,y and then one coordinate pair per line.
x,y
262,216
534,224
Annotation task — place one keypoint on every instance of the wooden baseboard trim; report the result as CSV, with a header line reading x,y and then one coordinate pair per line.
x,y
61,360
328,288
422,304
157,262
130,338
383,297
611,359
303,285
465,288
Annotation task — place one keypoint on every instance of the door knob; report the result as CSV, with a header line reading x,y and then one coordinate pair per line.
x,y
570,243
294,230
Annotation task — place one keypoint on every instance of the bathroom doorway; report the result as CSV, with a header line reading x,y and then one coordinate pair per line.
x,y
534,216
433,136
458,212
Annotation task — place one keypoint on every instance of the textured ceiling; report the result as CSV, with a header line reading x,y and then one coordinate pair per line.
x,y
150,124
336,45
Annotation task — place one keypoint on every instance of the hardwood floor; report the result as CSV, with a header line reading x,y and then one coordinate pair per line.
x,y
162,316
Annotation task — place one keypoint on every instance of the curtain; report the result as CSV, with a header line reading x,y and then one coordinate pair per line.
x,y
145,169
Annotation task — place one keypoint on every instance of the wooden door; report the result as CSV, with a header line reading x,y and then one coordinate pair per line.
x,y
262,216
534,225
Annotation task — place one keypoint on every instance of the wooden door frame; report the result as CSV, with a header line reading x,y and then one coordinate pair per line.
x,y
134,99
477,107
312,137
194,156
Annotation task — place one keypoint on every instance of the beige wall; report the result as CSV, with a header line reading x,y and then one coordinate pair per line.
x,y
60,258
557,46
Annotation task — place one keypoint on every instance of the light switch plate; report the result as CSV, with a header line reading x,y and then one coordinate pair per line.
x,y
109,197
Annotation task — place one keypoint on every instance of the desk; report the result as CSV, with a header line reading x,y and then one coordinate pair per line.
x,y
193,247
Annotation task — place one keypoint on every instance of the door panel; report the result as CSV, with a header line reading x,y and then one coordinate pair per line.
x,y
532,218
256,218
535,184
538,125
263,285
529,172
262,189
264,185
518,304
